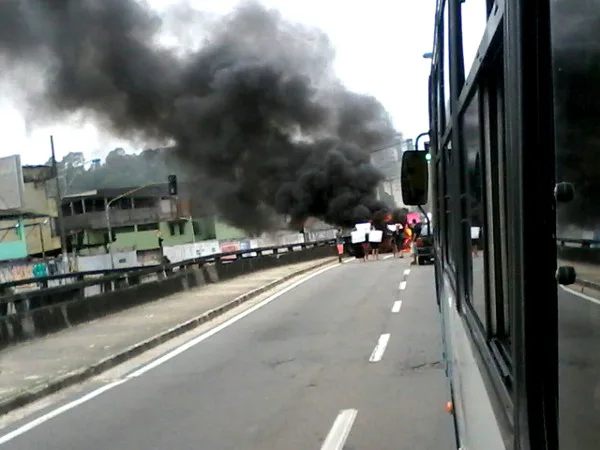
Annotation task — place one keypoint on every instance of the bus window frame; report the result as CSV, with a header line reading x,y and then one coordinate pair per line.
x,y
524,34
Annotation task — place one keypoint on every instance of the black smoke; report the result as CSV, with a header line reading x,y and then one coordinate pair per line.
x,y
399,215
256,112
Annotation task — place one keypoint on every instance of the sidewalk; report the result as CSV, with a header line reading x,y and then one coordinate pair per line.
x,y
36,368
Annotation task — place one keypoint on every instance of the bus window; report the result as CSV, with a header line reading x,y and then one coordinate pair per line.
x,y
474,19
475,205
447,189
446,55
497,211
576,37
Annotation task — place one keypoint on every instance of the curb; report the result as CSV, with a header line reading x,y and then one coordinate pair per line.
x,y
80,375
587,284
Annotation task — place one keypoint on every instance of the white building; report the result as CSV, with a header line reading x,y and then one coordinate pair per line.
x,y
389,162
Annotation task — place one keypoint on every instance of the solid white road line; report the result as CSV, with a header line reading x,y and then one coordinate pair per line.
x,y
582,295
388,256
58,411
379,349
406,271
157,362
397,305
338,434
402,285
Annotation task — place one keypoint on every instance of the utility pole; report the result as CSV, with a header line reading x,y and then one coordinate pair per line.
x,y
61,220
42,241
109,230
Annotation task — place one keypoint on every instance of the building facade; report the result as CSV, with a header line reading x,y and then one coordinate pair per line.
x,y
142,221
389,163
31,231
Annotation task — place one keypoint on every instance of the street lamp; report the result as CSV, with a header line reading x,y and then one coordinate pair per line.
x,y
107,212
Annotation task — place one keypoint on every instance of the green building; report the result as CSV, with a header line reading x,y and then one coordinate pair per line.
x,y
138,221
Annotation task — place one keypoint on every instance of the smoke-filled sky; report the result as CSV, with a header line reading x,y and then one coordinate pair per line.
x,y
251,99
378,51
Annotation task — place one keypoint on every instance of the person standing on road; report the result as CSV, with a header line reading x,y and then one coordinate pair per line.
x,y
416,232
397,241
339,242
408,239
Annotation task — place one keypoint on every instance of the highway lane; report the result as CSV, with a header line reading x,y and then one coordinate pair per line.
x,y
279,378
579,369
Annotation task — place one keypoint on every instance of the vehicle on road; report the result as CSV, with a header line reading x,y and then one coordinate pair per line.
x,y
425,246
513,151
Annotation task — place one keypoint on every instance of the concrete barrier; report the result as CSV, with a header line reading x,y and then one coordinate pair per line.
x,y
42,321
75,309
588,255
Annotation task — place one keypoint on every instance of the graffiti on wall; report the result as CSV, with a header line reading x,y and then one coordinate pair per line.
x,y
15,272
230,246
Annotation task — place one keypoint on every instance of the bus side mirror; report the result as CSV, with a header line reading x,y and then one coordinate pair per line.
x,y
414,178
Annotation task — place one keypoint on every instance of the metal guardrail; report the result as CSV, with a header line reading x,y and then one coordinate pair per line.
x,y
93,283
68,278
580,251
583,243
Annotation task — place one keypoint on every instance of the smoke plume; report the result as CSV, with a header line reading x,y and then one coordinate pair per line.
x,y
255,111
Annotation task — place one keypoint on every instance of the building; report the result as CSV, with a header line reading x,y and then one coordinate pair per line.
x,y
140,221
389,162
31,230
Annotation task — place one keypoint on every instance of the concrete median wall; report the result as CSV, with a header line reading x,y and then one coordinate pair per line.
x,y
75,309
590,255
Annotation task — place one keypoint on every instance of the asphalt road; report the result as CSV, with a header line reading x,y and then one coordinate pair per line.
x,y
280,377
579,369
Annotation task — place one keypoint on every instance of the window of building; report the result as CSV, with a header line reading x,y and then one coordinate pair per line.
x,y
197,228
123,230
147,227
78,207
66,209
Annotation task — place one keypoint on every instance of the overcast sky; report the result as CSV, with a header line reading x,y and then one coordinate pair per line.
x,y
379,43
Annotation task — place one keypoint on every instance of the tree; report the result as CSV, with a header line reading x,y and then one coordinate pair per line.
x,y
119,169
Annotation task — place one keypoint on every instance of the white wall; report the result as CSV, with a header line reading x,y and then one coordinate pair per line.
x,y
102,262
177,253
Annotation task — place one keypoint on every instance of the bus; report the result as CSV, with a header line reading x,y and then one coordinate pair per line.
x,y
514,151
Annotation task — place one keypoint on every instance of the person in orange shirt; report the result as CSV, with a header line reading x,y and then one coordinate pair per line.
x,y
409,233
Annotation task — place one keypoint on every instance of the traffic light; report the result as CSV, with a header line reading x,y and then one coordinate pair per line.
x,y
172,184
427,147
